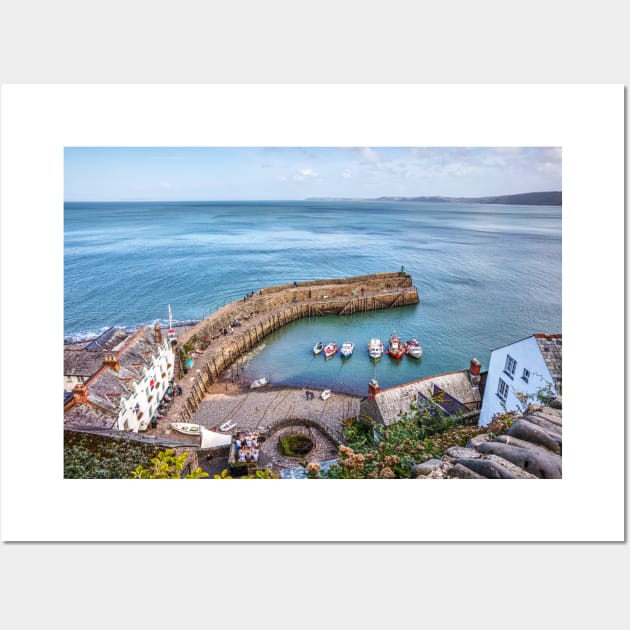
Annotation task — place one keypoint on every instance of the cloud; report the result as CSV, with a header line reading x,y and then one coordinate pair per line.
x,y
369,155
165,185
303,174
347,174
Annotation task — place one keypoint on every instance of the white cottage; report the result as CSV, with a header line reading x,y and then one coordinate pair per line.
x,y
522,368
125,393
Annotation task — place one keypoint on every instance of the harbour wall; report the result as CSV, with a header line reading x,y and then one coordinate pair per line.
x,y
272,308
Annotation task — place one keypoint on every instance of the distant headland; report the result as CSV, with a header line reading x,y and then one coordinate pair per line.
x,y
550,198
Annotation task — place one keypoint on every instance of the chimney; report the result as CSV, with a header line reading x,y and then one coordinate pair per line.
x,y
474,371
80,393
158,334
111,361
373,388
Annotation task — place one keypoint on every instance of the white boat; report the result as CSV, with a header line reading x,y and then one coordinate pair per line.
x,y
261,382
347,348
413,348
212,439
330,349
186,428
375,348
325,395
227,426
318,347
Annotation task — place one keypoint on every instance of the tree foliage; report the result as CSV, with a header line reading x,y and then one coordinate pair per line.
x,y
167,465
97,457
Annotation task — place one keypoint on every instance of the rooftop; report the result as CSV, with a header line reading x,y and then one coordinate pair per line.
x,y
86,359
454,389
551,350
106,387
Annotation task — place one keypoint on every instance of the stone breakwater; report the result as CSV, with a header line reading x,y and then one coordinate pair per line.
x,y
215,344
531,449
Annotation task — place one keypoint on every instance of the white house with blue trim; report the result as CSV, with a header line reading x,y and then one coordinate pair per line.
x,y
523,367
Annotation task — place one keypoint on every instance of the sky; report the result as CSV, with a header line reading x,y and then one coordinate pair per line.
x,y
278,173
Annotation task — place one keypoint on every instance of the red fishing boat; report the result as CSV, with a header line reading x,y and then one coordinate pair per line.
x,y
395,348
330,349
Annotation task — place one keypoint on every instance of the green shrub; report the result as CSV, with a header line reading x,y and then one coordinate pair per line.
x,y
295,445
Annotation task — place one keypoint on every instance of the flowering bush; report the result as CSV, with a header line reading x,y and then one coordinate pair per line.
x,y
373,451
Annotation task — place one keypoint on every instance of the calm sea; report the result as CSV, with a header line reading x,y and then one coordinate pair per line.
x,y
487,275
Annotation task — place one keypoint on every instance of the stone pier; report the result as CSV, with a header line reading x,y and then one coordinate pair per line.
x,y
266,311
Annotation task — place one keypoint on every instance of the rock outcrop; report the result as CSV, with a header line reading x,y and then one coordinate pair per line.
x,y
531,449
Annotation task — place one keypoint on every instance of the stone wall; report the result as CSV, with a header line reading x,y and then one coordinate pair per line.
x,y
261,315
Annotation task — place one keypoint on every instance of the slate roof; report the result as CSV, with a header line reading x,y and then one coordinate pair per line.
x,y
459,394
81,362
82,416
105,390
108,387
87,359
551,350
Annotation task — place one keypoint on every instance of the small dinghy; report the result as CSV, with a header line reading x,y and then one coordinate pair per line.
x,y
261,382
325,395
227,426
330,349
318,347
186,428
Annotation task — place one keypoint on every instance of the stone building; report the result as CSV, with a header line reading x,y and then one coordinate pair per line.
x,y
453,392
519,370
124,392
81,361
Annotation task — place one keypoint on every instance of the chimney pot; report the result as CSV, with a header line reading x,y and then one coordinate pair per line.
x,y
373,388
111,361
80,393
474,372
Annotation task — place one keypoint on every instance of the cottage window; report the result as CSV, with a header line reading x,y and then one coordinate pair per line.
x,y
525,376
502,389
510,366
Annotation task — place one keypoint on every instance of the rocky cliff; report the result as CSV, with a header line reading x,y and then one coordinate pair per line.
x,y
531,449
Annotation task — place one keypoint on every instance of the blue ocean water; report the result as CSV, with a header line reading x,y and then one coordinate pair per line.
x,y
487,275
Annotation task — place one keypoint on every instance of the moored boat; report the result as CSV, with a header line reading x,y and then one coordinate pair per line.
x,y
395,348
413,348
375,348
347,348
261,382
186,428
318,347
330,349
325,395
227,426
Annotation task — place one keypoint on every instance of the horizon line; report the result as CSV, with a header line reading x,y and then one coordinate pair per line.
x,y
314,198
